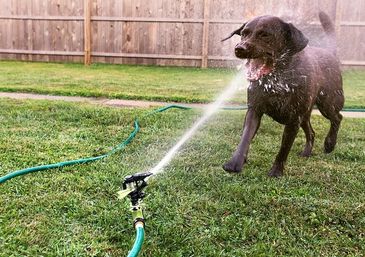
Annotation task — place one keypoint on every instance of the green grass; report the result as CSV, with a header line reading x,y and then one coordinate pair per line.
x,y
138,82
354,87
194,208
114,81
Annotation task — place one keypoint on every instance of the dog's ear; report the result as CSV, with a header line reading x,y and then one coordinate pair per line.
x,y
236,32
295,40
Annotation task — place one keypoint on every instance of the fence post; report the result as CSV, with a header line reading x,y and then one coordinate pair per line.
x,y
205,41
338,19
87,32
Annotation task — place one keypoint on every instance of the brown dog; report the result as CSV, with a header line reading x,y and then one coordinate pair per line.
x,y
287,78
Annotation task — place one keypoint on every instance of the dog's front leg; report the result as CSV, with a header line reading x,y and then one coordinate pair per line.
x,y
251,125
290,132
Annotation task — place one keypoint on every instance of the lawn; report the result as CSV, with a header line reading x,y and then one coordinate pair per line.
x,y
114,81
194,208
138,82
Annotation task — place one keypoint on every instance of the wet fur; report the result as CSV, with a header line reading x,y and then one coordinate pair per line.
x,y
302,77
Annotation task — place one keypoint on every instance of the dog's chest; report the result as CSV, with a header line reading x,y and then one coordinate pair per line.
x,y
276,97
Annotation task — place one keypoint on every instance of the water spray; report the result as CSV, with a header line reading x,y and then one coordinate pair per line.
x,y
209,110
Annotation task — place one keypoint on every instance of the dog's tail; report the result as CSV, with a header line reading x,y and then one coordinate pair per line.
x,y
329,28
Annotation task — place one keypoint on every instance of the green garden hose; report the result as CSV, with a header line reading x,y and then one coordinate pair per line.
x,y
73,162
119,147
353,110
137,246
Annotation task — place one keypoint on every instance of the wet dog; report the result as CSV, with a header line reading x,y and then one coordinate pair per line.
x,y
287,78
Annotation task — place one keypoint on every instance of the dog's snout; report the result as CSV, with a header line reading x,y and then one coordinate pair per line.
x,y
242,49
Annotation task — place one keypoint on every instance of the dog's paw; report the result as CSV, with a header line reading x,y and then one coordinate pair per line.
x,y
329,145
305,154
276,171
232,167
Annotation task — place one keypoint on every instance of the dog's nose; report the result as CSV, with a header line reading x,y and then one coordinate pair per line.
x,y
242,50
242,47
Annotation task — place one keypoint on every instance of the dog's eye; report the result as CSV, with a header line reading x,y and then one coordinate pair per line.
x,y
245,32
263,34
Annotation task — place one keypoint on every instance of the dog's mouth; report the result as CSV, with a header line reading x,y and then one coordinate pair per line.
x,y
259,67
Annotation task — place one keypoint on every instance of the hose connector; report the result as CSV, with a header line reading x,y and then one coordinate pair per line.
x,y
137,214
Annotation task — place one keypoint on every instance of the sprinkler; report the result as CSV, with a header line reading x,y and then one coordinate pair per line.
x,y
132,187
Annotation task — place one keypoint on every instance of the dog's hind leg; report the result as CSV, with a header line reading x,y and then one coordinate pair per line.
x,y
309,136
330,106
329,103
331,138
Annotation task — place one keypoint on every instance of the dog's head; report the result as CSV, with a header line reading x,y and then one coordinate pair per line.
x,y
265,40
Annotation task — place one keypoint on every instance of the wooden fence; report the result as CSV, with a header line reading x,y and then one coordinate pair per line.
x,y
161,32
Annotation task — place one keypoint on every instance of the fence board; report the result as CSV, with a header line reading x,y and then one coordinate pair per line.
x,y
87,32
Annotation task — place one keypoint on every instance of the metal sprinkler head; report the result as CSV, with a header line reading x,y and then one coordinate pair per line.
x,y
132,187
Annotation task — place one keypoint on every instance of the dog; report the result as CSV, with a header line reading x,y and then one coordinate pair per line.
x,y
286,79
